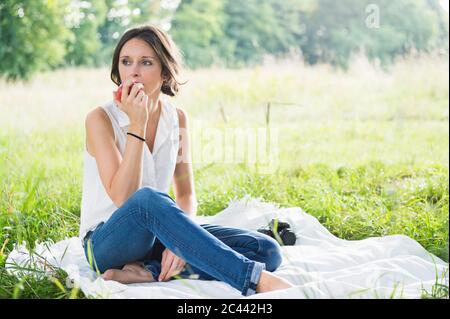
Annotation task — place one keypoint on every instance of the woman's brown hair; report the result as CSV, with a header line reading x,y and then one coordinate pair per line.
x,y
166,50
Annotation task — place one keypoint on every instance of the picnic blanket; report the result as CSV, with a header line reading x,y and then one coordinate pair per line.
x,y
320,265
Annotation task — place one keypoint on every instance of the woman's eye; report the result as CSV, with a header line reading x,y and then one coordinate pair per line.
x,y
146,62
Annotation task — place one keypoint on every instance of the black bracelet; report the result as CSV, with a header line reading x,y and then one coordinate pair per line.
x,y
142,139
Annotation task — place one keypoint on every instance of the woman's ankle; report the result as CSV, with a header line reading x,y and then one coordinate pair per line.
x,y
269,282
261,286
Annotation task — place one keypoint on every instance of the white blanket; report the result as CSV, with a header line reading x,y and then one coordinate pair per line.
x,y
320,264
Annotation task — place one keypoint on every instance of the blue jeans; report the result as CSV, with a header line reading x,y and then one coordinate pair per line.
x,y
150,221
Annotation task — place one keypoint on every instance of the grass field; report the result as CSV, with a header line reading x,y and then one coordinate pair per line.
x,y
364,151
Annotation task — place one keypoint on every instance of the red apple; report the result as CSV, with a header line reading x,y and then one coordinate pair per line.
x,y
118,93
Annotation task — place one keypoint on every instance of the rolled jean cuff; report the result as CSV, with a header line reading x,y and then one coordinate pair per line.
x,y
255,275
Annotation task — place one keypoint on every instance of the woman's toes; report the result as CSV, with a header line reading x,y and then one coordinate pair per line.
x,y
109,274
132,267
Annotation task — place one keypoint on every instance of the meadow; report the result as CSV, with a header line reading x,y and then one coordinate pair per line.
x,y
364,150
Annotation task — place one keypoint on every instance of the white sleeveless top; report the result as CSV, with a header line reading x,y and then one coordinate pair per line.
x,y
158,167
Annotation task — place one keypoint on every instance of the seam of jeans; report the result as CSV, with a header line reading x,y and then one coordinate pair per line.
x,y
256,273
254,277
247,279
259,246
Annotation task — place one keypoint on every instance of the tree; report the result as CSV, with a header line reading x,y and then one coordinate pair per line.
x,y
32,37
197,28
290,25
336,30
441,41
122,15
250,27
83,18
407,25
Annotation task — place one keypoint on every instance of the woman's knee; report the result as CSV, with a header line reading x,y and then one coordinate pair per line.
x,y
147,196
149,201
271,251
146,193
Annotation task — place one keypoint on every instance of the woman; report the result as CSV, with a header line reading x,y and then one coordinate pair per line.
x,y
132,230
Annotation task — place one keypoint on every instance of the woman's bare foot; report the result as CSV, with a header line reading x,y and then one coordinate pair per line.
x,y
129,274
270,282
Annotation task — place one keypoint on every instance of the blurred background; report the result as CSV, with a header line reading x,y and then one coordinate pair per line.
x,y
42,35
351,97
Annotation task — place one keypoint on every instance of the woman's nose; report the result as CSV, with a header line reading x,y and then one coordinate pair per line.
x,y
135,71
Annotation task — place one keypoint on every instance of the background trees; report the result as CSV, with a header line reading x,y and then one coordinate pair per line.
x,y
43,34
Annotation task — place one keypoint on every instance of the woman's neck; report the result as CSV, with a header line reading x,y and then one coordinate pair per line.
x,y
153,115
153,108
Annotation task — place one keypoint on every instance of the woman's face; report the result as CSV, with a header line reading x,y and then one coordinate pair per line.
x,y
139,62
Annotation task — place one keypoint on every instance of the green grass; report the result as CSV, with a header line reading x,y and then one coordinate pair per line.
x,y
364,152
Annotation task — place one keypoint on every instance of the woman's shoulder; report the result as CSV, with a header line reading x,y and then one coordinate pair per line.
x,y
97,119
98,128
176,112
182,117
96,115
101,111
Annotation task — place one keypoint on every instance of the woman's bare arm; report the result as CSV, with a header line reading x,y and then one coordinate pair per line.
x,y
183,177
121,176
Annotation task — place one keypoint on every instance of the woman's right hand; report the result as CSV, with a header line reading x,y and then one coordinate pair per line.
x,y
134,103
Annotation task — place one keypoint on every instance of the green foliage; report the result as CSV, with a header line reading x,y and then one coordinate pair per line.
x,y
36,36
83,21
122,16
32,36
289,16
384,30
216,32
250,28
197,26
238,33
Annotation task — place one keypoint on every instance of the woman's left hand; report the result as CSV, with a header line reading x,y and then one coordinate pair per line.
x,y
171,265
